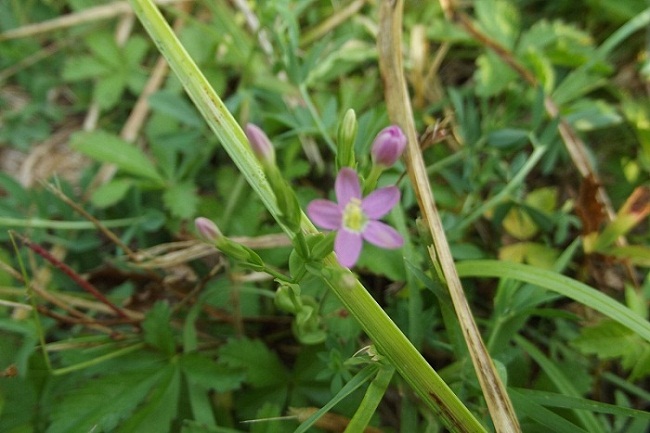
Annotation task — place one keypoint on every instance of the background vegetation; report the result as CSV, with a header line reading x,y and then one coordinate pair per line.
x,y
535,128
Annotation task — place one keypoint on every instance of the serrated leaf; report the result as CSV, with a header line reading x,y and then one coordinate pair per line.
x,y
210,375
160,408
109,89
262,366
101,403
157,329
493,76
610,340
83,68
110,193
105,147
499,19
105,48
135,49
181,200
175,106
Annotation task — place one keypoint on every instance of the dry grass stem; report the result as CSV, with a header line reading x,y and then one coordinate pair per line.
x,y
103,12
400,112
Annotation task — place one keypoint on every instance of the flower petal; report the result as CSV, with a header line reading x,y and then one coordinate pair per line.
x,y
347,186
379,202
325,214
347,247
382,235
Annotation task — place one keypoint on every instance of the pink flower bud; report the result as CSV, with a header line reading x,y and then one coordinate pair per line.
x,y
260,143
388,146
207,229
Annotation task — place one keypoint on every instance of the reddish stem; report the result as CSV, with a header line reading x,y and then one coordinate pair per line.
x,y
73,275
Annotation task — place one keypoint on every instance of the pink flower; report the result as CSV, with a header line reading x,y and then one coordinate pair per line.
x,y
356,218
388,146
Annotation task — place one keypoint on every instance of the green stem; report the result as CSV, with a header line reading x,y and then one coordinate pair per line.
x,y
388,338
98,360
373,177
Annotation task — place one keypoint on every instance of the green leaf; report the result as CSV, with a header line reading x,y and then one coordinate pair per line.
x,y
263,368
554,422
268,411
359,379
551,399
609,339
109,89
157,329
493,76
83,68
562,380
508,138
560,284
210,375
106,147
181,200
176,107
519,224
159,408
538,255
134,50
101,403
111,192
383,262
499,19
588,114
105,48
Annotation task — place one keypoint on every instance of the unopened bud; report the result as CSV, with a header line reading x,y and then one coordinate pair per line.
x,y
347,135
388,146
261,145
207,229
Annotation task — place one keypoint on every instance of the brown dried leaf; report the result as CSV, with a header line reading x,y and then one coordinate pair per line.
x,y
588,207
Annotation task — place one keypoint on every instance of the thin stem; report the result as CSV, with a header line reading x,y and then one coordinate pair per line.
x,y
73,275
388,338
98,360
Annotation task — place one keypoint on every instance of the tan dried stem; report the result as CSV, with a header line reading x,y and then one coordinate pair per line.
x,y
89,15
400,112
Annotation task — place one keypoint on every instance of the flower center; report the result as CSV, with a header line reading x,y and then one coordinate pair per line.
x,y
354,219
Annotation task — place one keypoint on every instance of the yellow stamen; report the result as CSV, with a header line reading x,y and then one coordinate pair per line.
x,y
354,219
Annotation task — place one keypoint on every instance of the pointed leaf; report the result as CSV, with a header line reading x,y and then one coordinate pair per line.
x,y
106,147
157,330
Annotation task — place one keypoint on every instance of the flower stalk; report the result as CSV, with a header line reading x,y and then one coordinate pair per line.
x,y
388,338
